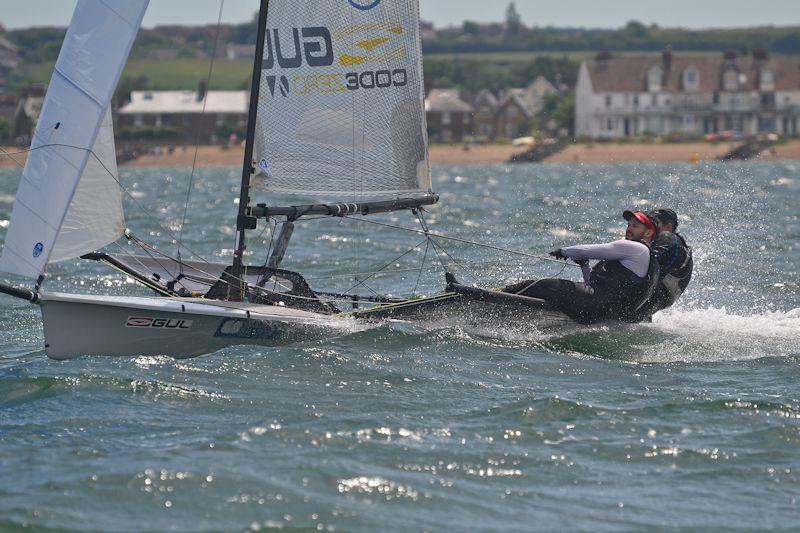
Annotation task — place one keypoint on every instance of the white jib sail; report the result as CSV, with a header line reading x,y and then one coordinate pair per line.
x,y
95,217
89,65
341,105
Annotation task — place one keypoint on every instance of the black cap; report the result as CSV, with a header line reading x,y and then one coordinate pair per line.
x,y
665,216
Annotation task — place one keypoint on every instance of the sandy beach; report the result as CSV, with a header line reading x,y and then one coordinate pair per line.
x,y
475,155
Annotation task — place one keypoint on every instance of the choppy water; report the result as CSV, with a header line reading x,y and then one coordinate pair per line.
x,y
692,421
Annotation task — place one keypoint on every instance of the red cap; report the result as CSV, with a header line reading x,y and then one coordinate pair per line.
x,y
641,217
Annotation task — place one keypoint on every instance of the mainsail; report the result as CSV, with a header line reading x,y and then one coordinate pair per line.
x,y
63,176
340,109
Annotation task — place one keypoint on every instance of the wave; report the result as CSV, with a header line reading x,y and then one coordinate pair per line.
x,y
676,335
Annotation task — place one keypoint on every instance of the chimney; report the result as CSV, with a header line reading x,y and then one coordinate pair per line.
x,y
201,90
603,55
760,54
666,57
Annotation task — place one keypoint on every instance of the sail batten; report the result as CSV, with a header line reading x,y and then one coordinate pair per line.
x,y
341,107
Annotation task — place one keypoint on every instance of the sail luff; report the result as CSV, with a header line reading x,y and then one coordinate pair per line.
x,y
247,164
88,68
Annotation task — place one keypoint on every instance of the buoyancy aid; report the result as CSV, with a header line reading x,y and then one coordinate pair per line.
x,y
676,272
623,290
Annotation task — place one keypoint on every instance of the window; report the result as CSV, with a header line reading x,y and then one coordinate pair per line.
x,y
766,124
608,100
654,100
445,117
635,100
691,79
730,80
766,80
465,119
609,124
654,79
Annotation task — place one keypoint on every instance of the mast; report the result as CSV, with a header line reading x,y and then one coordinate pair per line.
x,y
243,220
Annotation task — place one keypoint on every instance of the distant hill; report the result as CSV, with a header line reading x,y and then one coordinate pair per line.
x,y
42,44
471,57
635,36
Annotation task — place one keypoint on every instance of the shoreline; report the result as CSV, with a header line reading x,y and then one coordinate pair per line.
x,y
489,154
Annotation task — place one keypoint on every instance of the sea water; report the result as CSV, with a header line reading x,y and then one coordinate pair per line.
x,y
691,421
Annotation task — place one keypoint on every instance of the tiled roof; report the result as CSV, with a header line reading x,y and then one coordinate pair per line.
x,y
446,100
629,73
514,97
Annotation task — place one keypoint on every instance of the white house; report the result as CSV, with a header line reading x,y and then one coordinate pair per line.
x,y
630,96
187,112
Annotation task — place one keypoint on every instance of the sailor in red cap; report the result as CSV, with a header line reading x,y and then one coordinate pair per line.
x,y
619,283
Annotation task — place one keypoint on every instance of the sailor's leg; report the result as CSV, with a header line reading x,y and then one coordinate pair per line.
x,y
576,300
519,288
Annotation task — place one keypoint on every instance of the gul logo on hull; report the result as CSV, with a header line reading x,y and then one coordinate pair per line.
x,y
160,323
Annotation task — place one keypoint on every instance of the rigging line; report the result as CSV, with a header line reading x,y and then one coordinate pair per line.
x,y
139,261
141,245
421,267
197,131
361,282
122,187
151,287
456,263
10,155
457,239
416,269
216,277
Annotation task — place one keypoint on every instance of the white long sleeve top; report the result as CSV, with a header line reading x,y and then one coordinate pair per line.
x,y
633,255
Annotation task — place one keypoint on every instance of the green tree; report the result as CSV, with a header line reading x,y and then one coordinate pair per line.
x,y
513,20
564,114
471,28
5,130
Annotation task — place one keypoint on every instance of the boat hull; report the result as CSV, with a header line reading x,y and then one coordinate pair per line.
x,y
76,325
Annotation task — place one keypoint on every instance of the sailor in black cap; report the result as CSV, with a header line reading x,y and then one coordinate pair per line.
x,y
674,258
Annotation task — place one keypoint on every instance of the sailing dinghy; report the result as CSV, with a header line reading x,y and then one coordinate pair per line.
x,y
336,109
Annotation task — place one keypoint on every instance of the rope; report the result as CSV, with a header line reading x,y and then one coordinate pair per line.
x,y
197,132
465,241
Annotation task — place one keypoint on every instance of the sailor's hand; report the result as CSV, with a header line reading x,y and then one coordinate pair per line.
x,y
558,254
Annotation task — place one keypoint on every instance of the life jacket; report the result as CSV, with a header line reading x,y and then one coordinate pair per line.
x,y
624,291
675,276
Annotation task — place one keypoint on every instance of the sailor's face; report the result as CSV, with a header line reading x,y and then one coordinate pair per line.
x,y
635,230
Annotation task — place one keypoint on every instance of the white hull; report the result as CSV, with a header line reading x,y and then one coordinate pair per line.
x,y
76,325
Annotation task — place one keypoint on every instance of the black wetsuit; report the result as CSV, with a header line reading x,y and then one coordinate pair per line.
x,y
676,265
611,292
